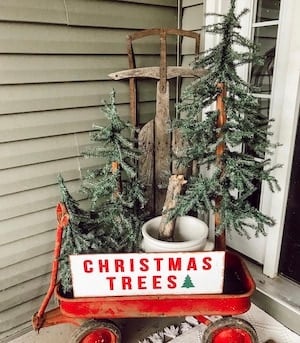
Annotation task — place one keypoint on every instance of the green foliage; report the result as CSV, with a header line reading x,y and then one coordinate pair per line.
x,y
112,145
235,174
114,221
82,235
117,193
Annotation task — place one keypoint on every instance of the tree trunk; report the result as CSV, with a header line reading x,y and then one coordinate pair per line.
x,y
166,228
220,240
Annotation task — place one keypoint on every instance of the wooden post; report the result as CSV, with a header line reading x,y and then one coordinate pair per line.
x,y
220,241
162,146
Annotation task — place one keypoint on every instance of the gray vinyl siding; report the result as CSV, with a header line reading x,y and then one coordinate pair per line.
x,y
192,19
55,57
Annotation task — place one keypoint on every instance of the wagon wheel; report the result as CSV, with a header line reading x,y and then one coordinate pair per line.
x,y
230,330
97,331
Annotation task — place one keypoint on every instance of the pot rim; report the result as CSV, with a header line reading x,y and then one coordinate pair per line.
x,y
183,244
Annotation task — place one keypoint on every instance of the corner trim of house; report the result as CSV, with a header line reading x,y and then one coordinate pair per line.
x,y
277,296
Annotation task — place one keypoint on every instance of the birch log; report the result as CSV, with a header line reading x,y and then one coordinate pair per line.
x,y
167,227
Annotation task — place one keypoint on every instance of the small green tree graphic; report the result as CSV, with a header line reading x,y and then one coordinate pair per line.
x,y
187,283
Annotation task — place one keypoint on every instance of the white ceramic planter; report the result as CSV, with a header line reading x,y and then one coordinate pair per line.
x,y
190,235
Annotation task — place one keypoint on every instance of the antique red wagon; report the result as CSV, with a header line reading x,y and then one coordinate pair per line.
x,y
94,315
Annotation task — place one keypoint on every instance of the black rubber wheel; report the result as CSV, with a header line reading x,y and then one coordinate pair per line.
x,y
230,330
97,331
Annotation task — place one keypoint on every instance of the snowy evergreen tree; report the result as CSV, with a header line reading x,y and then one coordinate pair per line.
x,y
82,235
229,152
113,223
114,188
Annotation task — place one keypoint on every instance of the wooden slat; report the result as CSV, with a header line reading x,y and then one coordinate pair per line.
x,y
162,144
147,162
154,73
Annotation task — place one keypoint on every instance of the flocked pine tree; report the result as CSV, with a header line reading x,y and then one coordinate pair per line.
x,y
230,146
116,215
114,188
82,235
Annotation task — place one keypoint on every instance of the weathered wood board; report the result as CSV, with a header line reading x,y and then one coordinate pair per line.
x,y
155,139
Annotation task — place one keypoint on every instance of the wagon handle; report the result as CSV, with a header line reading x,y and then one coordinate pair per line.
x,y
62,221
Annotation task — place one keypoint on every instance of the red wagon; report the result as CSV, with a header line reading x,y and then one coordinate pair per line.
x,y
94,316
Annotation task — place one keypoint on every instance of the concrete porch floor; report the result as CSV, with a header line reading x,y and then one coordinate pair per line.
x,y
134,330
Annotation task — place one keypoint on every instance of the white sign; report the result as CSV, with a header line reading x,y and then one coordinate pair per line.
x,y
96,275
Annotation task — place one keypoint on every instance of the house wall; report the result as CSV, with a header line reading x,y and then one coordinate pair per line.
x,y
54,60
192,18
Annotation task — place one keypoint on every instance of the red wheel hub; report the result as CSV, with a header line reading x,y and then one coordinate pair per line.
x,y
100,336
232,335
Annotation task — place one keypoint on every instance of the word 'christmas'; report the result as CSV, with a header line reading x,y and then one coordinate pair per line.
x,y
144,264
